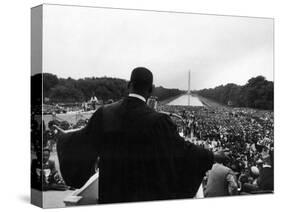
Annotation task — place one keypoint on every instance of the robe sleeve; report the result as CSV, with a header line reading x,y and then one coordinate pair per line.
x,y
190,162
78,152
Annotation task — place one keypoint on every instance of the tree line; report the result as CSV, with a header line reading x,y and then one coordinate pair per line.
x,y
256,93
58,90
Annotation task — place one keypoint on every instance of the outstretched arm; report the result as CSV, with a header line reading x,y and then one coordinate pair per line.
x,y
62,131
78,151
190,161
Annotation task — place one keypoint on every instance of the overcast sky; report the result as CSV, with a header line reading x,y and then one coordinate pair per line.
x,y
83,42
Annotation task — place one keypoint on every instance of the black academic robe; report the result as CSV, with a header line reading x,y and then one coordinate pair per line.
x,y
142,156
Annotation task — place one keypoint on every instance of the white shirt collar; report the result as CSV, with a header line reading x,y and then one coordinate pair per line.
x,y
137,96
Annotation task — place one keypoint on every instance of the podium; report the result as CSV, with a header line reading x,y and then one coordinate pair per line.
x,y
86,195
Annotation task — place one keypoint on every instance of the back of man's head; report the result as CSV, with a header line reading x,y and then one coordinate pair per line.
x,y
220,157
141,80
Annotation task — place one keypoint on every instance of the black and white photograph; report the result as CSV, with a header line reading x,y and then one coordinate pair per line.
x,y
131,105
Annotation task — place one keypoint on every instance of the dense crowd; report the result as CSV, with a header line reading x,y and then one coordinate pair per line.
x,y
244,135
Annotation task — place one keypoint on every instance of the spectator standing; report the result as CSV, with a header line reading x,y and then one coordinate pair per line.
x,y
221,180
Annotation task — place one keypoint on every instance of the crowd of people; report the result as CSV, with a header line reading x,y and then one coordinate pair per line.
x,y
244,136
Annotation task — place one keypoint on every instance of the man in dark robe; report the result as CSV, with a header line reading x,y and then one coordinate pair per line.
x,y
141,155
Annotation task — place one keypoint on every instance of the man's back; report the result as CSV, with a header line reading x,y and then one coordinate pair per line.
x,y
132,167
135,160
217,184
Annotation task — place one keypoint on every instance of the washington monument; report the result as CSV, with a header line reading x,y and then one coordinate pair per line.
x,y
188,88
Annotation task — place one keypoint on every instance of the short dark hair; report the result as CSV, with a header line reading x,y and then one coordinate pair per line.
x,y
220,157
141,78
